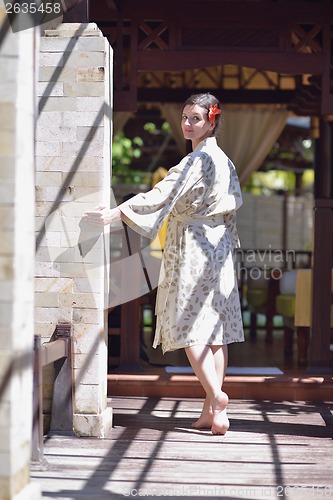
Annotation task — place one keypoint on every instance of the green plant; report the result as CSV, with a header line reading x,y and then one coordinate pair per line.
x,y
124,150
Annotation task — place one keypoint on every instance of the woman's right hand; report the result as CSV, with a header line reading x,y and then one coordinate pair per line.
x,y
102,216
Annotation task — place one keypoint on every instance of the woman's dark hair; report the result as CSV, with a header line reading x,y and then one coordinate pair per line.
x,y
205,100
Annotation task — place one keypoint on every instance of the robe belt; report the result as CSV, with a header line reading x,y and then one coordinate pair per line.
x,y
199,220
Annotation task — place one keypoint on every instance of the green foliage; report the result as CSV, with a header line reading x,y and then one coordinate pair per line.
x,y
124,150
271,179
264,183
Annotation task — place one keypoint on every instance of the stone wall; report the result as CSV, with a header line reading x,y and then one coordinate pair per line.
x,y
73,163
17,248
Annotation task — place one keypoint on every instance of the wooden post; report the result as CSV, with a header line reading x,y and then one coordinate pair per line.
x,y
322,254
62,403
130,311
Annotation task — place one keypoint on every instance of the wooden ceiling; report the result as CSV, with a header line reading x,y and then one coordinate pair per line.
x,y
277,52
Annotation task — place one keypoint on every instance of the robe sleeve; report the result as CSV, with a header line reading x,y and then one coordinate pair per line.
x,y
230,222
146,212
235,195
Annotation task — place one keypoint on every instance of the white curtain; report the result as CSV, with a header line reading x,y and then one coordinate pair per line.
x,y
249,133
247,136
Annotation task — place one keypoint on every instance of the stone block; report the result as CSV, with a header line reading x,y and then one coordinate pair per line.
x,y
91,74
7,116
85,133
6,314
6,218
90,103
80,300
66,164
65,315
46,315
78,59
51,59
54,254
53,134
88,316
89,195
54,89
6,241
95,425
83,148
79,270
6,289
96,44
87,338
50,119
60,104
50,269
86,89
84,285
82,119
7,193
44,329
56,44
48,179
50,239
43,208
52,149
50,194
50,74
46,284
44,299
86,398
7,142
86,368
74,30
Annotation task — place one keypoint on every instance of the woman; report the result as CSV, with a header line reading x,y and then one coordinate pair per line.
x,y
197,304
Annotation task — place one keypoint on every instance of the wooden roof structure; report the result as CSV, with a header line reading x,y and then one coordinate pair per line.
x,y
250,51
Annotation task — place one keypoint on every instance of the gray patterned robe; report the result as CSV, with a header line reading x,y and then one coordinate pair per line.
x,y
197,300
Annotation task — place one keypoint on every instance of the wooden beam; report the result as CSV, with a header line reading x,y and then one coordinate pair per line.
x,y
52,351
291,63
240,12
76,11
229,96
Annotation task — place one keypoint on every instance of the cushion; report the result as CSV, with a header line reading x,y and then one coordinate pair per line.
x,y
256,297
285,305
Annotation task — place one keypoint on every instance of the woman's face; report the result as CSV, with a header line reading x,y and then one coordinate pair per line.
x,y
195,124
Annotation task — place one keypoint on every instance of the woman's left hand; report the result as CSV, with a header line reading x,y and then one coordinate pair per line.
x,y
102,216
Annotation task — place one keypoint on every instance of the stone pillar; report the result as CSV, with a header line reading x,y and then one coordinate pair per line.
x,y
17,247
73,159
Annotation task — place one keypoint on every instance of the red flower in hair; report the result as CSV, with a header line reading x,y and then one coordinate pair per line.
x,y
213,110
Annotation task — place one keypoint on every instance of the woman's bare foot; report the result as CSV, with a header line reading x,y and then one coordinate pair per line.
x,y
220,423
205,421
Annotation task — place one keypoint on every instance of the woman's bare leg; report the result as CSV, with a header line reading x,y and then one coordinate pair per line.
x,y
221,362
202,360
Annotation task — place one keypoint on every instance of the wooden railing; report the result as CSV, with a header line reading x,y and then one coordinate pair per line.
x,y
58,351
